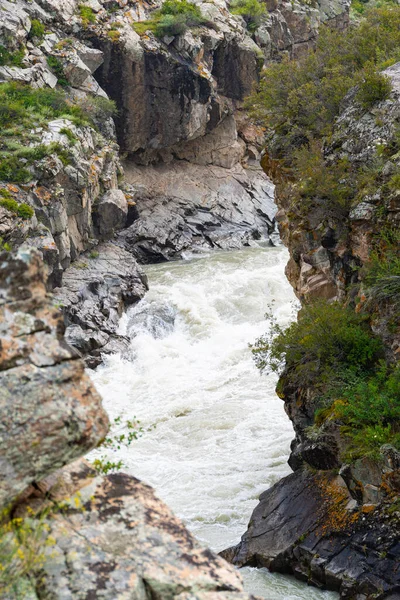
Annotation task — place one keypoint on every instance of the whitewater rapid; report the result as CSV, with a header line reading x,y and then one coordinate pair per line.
x,y
215,433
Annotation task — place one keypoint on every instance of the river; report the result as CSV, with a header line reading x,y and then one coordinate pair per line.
x,y
215,433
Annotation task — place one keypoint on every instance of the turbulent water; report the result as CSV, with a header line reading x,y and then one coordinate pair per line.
x,y
215,434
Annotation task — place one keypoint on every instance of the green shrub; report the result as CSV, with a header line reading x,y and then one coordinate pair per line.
x,y
23,210
22,551
37,30
9,204
299,99
374,87
12,59
87,15
23,107
250,10
370,412
173,18
11,169
69,134
327,339
56,66
382,275
114,35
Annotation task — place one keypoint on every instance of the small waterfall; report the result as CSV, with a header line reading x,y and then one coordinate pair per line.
x,y
216,435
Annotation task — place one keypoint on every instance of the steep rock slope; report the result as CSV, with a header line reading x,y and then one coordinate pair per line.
x,y
71,533
335,521
193,179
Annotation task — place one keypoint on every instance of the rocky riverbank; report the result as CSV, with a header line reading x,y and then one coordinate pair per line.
x,y
335,521
69,532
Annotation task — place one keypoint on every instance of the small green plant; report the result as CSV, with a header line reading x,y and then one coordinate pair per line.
x,y
64,44
22,551
251,10
23,210
114,35
93,254
87,15
104,466
56,66
173,18
374,88
12,59
37,30
5,245
123,435
69,134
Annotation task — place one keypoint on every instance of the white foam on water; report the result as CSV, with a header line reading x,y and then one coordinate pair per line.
x,y
220,436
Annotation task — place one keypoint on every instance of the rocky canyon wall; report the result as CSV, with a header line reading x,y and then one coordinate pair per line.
x,y
192,182
335,521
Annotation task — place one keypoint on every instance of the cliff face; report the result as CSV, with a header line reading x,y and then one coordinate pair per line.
x,y
335,521
85,535
192,174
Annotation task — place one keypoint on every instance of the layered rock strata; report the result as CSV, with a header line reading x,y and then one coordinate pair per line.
x,y
94,536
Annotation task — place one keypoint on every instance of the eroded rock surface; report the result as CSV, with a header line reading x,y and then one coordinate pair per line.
x,y
303,525
96,291
116,539
50,412
184,207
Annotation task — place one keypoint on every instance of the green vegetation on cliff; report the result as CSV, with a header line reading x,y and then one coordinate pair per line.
x,y
173,18
25,113
250,10
298,102
332,350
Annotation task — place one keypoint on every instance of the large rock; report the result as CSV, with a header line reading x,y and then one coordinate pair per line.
x,y
111,212
184,207
96,291
114,538
50,412
306,525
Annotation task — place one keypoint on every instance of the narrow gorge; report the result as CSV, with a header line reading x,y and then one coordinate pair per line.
x,y
149,153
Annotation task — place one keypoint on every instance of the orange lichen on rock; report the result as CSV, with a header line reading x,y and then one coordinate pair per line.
x,y
334,516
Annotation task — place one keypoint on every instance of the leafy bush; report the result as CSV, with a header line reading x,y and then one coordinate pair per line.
x,y
370,411
25,211
250,10
382,276
22,545
326,340
173,18
87,15
12,59
374,87
37,30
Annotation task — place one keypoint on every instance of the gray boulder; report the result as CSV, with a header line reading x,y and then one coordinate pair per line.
x,y
111,212
96,290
